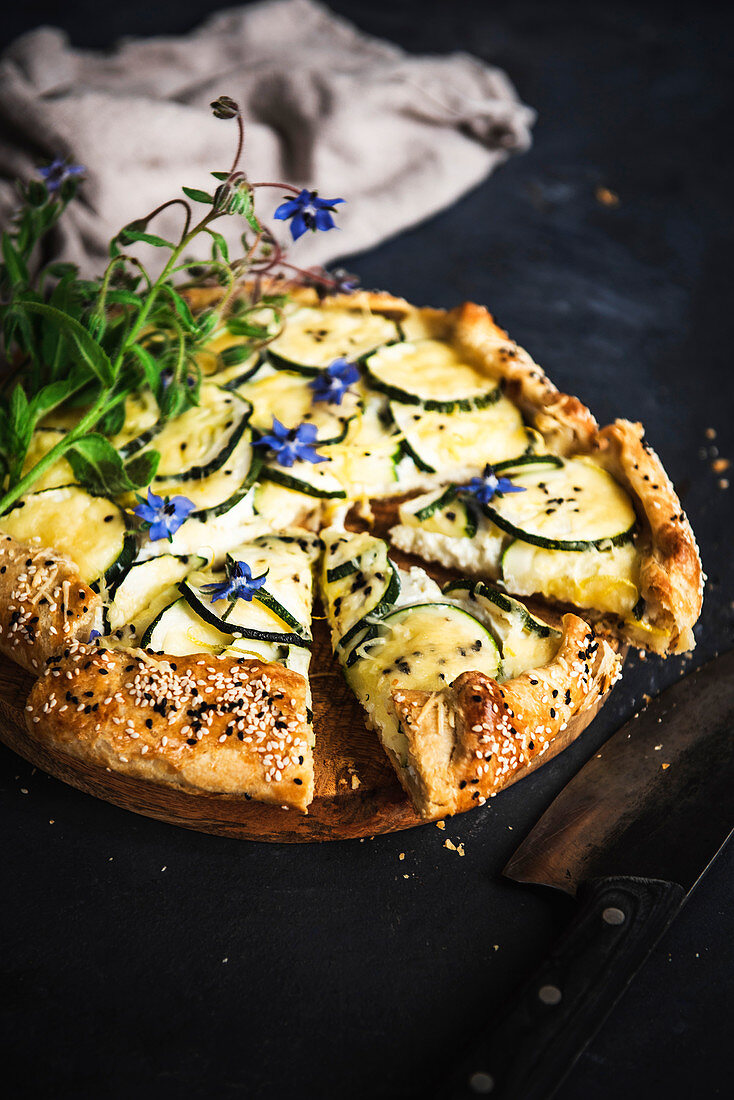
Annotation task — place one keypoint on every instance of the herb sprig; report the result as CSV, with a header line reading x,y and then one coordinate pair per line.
x,y
87,345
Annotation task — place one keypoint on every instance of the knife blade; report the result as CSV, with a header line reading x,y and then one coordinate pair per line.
x,y
630,836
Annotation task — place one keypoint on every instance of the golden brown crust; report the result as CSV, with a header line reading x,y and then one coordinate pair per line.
x,y
44,604
200,723
466,743
565,423
671,577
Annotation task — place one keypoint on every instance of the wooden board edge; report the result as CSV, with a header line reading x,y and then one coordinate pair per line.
x,y
351,815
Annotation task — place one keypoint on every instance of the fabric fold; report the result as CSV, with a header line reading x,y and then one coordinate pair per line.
x,y
326,106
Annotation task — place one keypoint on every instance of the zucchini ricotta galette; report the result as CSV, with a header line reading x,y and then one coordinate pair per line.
x,y
171,631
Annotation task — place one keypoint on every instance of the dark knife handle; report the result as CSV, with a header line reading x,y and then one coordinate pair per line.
x,y
557,1013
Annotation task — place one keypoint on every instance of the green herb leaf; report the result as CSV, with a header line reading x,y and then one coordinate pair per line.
x,y
14,262
128,236
92,355
54,394
220,245
198,196
181,307
150,365
142,469
99,468
239,327
234,355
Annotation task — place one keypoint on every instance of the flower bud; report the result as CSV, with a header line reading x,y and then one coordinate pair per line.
x,y
224,107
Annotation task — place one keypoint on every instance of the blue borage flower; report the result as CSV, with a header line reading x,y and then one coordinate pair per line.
x,y
55,173
290,445
307,211
489,485
162,516
331,384
239,585
94,634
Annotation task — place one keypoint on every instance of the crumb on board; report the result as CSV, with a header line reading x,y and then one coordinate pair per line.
x,y
719,465
440,824
454,847
606,197
664,766
723,482
710,433
402,855
658,748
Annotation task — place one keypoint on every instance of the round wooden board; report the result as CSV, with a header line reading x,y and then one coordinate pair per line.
x,y
357,792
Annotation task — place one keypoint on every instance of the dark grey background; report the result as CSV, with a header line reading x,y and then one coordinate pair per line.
x,y
141,959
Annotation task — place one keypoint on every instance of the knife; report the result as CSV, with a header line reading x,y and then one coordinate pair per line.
x,y
630,836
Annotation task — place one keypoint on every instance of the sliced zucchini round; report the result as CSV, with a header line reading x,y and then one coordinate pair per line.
x,y
433,374
576,506
284,507
228,362
148,587
366,462
606,580
525,641
313,338
288,396
92,531
360,584
424,647
288,589
224,488
178,631
201,440
461,442
262,618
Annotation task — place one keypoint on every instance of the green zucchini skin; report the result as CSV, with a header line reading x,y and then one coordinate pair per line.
x,y
431,404
279,477
570,545
119,568
473,588
386,602
209,615
346,569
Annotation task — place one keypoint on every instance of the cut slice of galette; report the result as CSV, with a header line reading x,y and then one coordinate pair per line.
x,y
601,532
463,685
200,677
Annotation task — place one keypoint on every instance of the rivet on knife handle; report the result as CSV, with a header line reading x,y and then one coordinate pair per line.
x,y
557,1013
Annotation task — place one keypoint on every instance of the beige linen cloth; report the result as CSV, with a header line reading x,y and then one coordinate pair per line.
x,y
328,107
